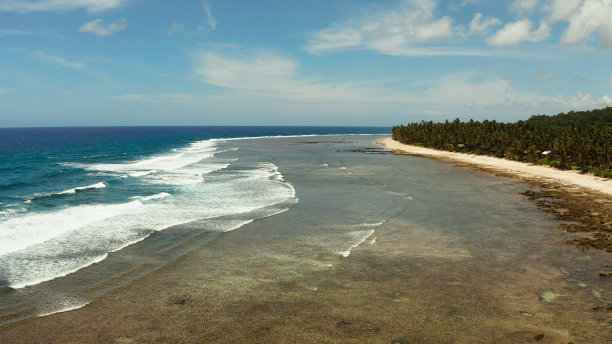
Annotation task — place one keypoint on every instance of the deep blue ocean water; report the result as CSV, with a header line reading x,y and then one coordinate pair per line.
x,y
36,161
70,196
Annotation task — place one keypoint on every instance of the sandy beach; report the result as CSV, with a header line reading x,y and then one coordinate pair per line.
x,y
519,169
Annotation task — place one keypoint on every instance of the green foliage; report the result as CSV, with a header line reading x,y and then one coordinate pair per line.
x,y
601,172
547,161
576,140
582,118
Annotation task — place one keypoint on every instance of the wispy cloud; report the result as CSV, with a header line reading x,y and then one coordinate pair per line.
x,y
4,90
175,28
546,75
412,29
60,61
14,32
480,26
271,75
513,34
524,7
27,6
610,81
97,27
209,23
162,98
205,25
461,94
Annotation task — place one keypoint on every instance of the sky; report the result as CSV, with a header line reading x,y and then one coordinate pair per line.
x,y
284,62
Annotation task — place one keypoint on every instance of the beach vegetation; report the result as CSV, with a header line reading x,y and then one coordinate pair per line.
x,y
580,140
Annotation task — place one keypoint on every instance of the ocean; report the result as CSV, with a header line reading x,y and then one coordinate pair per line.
x,y
69,197
227,235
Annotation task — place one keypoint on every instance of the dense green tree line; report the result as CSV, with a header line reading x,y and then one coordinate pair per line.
x,y
576,140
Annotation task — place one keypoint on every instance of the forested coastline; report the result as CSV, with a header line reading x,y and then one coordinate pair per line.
x,y
579,140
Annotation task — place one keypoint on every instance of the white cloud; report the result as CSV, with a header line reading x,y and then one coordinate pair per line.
x,y
273,76
57,60
494,97
27,6
513,34
399,31
270,86
250,72
523,7
97,27
578,102
481,27
562,9
430,31
461,90
593,16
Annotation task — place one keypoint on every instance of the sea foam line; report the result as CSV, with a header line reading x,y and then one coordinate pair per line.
x,y
361,241
66,306
94,260
100,185
22,232
72,191
95,215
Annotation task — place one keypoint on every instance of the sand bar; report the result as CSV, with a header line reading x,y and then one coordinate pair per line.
x,y
516,168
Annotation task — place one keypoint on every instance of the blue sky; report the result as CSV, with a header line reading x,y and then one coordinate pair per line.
x,y
273,62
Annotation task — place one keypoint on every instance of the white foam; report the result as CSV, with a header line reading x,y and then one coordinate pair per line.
x,y
42,246
43,276
64,305
142,173
152,197
186,175
18,233
100,185
362,236
377,224
12,211
192,154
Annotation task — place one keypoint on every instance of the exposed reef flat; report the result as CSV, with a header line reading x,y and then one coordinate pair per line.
x,y
581,202
379,249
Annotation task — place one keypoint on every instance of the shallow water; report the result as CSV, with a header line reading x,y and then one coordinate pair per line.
x,y
375,248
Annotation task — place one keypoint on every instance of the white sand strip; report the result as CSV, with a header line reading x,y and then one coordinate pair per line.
x,y
521,169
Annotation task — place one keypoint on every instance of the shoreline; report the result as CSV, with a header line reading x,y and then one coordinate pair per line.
x,y
580,202
510,167
437,267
